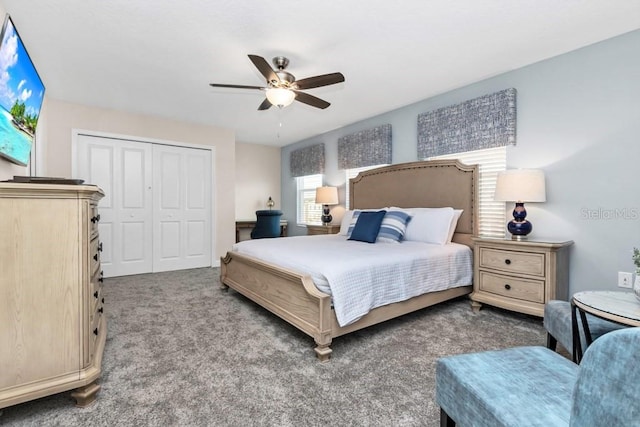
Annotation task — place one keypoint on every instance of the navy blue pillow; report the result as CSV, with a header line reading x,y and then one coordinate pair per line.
x,y
367,226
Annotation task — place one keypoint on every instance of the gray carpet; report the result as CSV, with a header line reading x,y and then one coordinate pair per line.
x,y
181,352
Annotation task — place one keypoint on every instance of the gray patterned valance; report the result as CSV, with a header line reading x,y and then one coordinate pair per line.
x,y
485,122
307,160
365,148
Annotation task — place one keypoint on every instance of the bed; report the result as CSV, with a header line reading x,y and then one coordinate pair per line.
x,y
293,295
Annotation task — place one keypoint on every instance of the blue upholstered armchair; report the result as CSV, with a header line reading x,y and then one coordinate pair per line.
x,y
267,224
535,386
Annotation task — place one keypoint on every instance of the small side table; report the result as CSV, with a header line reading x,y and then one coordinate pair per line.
x,y
616,306
322,229
519,275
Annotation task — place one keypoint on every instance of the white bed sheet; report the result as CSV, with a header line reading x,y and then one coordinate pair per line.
x,y
362,276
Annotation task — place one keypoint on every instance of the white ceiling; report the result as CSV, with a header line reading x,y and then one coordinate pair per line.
x,y
157,57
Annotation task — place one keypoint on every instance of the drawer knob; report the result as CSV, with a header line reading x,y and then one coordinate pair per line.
x,y
95,257
100,310
507,286
101,279
95,331
507,261
100,247
95,294
103,300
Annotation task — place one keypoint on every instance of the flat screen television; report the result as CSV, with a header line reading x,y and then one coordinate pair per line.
x,y
21,96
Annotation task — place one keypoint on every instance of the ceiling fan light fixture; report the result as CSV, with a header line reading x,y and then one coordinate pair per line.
x,y
280,97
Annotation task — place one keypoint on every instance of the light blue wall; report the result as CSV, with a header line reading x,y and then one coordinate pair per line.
x,y
579,121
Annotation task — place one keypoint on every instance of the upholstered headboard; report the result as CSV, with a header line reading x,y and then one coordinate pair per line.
x,y
431,184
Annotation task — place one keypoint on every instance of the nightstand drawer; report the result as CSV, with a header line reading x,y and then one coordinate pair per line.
x,y
512,287
313,230
512,261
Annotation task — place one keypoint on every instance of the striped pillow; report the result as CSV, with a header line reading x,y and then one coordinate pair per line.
x,y
394,226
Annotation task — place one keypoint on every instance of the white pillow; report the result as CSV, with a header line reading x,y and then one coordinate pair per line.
x,y
429,225
457,213
346,220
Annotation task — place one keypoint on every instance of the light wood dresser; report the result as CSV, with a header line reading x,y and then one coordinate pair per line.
x,y
52,320
520,275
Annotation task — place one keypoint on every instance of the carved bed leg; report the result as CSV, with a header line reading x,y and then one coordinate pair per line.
x,y
323,350
86,395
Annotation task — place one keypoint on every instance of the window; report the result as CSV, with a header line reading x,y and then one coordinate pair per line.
x,y
352,173
308,212
492,217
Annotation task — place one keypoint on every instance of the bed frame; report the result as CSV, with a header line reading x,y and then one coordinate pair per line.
x,y
293,296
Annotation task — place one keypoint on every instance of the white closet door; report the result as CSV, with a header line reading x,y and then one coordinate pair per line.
x,y
123,169
182,208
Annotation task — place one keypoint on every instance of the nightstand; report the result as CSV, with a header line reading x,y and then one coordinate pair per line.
x,y
519,275
322,229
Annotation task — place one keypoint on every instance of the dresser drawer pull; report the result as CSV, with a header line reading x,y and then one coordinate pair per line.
x,y
507,261
507,286
100,310
95,294
95,257
101,279
103,300
100,247
95,331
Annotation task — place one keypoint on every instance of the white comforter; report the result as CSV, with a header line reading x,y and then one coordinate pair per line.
x,y
362,276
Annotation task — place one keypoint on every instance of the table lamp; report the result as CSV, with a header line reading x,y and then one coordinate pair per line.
x,y
326,196
520,186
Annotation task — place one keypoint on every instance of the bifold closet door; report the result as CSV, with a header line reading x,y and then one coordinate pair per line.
x,y
182,208
156,214
123,169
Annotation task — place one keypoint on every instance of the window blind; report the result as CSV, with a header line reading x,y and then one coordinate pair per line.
x,y
307,211
491,216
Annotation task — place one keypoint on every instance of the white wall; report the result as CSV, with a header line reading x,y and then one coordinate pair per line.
x,y
257,178
578,120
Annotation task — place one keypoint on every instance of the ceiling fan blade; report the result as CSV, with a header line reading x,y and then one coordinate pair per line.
x,y
318,81
235,86
314,101
265,69
265,105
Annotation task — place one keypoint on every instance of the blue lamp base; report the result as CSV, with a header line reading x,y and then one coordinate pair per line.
x,y
326,215
519,227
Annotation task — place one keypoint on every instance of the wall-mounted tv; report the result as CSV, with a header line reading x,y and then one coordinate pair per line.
x,y
21,96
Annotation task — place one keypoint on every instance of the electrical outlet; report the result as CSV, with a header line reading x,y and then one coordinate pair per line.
x,y
625,279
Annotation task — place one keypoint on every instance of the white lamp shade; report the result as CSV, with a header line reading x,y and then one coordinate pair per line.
x,y
280,97
520,185
327,195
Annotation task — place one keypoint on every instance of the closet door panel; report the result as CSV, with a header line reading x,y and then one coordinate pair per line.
x,y
182,230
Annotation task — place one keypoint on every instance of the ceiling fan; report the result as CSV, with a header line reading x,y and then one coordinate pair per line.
x,y
282,87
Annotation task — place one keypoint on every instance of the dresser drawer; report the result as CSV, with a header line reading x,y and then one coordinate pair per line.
x,y
94,253
94,219
512,287
512,261
96,330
